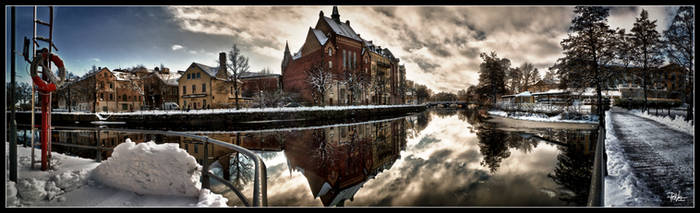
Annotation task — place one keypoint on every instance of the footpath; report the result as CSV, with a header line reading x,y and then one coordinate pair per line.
x,y
661,157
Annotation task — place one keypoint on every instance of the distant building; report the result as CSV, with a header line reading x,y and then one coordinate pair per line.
x,y
254,83
161,86
543,86
204,87
362,73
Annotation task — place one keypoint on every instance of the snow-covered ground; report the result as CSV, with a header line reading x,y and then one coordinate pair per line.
x,y
677,123
622,187
539,117
146,174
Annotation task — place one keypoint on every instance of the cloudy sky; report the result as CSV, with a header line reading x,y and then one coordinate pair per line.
x,y
439,45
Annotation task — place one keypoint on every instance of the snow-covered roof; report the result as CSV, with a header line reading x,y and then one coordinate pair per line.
x,y
169,78
211,71
320,37
256,75
526,93
551,91
342,29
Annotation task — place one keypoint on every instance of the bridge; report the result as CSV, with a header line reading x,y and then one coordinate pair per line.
x,y
450,104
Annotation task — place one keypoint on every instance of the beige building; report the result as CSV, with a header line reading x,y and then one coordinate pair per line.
x,y
204,87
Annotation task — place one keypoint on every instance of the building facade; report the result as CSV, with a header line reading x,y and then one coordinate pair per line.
x,y
161,86
204,87
361,73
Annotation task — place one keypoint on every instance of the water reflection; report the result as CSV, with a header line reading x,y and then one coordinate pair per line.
x,y
439,157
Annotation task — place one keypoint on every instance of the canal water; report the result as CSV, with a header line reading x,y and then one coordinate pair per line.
x,y
439,157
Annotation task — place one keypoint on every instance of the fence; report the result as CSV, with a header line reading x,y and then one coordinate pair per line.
x,y
596,192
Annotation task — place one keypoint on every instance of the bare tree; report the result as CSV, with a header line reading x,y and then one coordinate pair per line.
x,y
320,80
527,74
238,63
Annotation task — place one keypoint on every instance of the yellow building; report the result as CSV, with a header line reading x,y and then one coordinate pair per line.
x,y
204,87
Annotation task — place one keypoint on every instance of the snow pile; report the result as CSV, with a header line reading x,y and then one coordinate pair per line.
x,y
209,199
11,194
71,180
622,187
31,189
677,123
150,168
542,117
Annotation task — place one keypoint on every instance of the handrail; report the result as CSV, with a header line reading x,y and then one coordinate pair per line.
x,y
596,192
260,177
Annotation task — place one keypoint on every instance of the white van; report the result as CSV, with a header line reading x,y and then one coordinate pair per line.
x,y
170,106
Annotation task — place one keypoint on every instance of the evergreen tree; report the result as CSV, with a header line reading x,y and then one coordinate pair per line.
x,y
681,49
647,46
492,75
588,48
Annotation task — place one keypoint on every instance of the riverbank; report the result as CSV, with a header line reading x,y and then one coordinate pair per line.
x,y
230,119
585,119
75,181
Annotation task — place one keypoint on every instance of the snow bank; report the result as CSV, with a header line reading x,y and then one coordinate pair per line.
x,y
248,110
622,187
677,123
209,199
150,168
541,117
11,193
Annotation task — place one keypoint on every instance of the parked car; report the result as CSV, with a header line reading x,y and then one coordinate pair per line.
x,y
170,106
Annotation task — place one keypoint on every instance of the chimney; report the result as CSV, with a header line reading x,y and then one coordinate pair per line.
x,y
222,61
347,22
320,14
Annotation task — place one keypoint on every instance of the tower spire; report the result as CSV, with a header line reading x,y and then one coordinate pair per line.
x,y
335,15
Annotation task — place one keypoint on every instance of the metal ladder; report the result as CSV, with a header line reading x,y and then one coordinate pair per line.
x,y
35,46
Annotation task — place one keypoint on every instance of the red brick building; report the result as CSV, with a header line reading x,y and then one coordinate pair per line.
x,y
334,45
255,82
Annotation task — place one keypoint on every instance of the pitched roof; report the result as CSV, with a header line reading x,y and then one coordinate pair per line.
x,y
342,29
169,79
322,39
257,75
211,71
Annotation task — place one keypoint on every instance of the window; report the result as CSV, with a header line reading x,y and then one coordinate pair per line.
x,y
184,90
194,88
196,150
353,61
104,108
204,103
111,98
102,96
344,59
123,97
330,52
198,75
330,65
110,85
204,88
188,76
125,107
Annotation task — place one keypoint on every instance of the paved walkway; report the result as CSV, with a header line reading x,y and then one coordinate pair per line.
x,y
661,157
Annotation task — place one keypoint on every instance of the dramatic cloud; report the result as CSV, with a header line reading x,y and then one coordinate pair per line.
x,y
439,45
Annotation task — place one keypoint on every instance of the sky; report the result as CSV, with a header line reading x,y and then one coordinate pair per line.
x,y
439,45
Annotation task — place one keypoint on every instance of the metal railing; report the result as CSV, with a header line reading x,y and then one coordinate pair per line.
x,y
596,192
260,176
